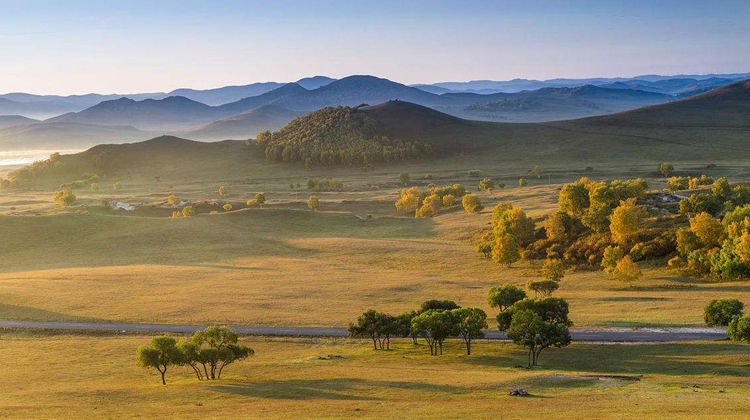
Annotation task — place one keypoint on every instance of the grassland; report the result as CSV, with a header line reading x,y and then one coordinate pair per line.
x,y
284,265
78,377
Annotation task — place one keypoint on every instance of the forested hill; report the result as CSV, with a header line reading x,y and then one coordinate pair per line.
x,y
341,135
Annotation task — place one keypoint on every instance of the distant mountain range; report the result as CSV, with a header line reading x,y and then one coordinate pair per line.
x,y
204,114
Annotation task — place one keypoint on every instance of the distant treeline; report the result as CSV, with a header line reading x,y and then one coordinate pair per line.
x,y
332,136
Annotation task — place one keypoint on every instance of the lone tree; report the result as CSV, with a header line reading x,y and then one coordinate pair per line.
x,y
553,269
188,211
536,171
506,250
469,325
486,184
403,178
627,271
223,191
505,296
543,287
116,186
435,326
528,329
522,182
260,199
665,168
721,312
612,254
160,354
313,203
471,203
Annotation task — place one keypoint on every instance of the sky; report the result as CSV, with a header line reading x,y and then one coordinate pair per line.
x,y
67,47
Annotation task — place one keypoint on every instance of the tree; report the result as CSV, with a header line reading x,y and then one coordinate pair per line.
x,y
409,200
664,169
597,216
624,222
430,206
574,198
721,312
449,200
707,229
160,354
471,203
536,171
528,329
403,178
687,241
739,328
551,309
116,186
612,255
507,219
172,200
626,270
94,186
506,250
377,326
260,199
522,182
435,326
543,287
313,203
188,211
721,188
486,184
65,197
217,348
557,226
469,325
227,207
436,304
504,296
553,269
223,191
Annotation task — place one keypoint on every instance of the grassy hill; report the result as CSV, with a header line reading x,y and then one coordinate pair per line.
x,y
243,125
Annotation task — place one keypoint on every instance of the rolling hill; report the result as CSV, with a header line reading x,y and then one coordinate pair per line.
x,y
269,98
13,120
64,135
243,125
226,94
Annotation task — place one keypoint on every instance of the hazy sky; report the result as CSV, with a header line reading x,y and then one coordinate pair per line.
x,y
112,46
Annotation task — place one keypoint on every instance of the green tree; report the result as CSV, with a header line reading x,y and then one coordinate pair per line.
x,y
469,325
403,178
739,329
435,326
471,203
553,269
612,255
217,348
377,326
551,309
223,191
504,296
687,241
486,184
260,199
528,329
597,216
506,250
313,203
574,198
437,305
543,287
721,189
188,211
65,197
160,354
665,168
721,312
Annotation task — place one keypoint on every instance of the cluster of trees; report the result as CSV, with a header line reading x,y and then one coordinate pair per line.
x,y
324,184
435,321
488,184
331,136
429,203
84,180
721,312
32,171
679,183
258,200
536,324
65,197
207,352
187,211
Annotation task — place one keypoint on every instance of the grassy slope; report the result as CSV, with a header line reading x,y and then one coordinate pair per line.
x,y
286,379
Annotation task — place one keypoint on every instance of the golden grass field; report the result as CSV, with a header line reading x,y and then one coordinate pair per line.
x,y
284,265
80,377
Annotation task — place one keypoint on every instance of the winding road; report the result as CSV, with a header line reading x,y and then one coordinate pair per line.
x,y
644,335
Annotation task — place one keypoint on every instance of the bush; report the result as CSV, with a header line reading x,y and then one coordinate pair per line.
x,y
188,211
474,172
65,197
471,203
720,312
227,207
324,184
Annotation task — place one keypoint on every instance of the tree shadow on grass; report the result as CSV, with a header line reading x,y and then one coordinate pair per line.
x,y
675,359
332,389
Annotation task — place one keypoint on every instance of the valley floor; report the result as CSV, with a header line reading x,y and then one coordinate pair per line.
x,y
83,377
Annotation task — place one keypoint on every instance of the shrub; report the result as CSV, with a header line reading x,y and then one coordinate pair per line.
x,y
522,182
227,207
188,211
65,197
403,178
486,184
720,312
474,172
471,203
94,186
